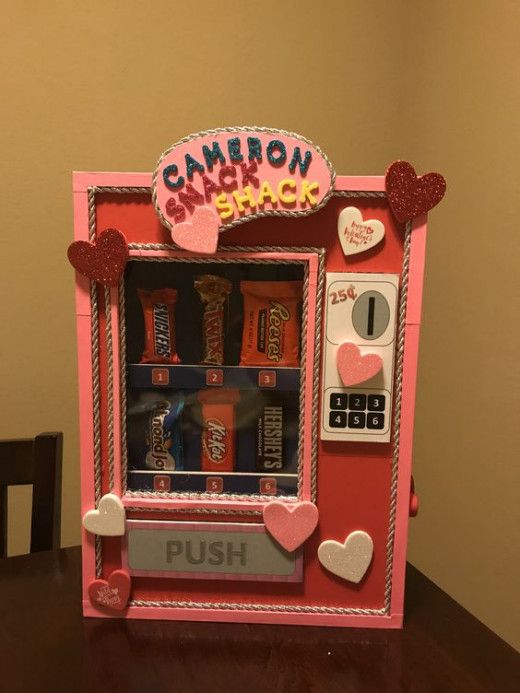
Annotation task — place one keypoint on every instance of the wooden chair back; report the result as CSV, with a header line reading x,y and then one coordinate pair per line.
x,y
36,461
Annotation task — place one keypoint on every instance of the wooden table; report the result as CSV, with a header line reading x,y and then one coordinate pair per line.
x,y
46,645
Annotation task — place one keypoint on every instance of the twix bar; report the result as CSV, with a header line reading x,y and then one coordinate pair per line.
x,y
213,292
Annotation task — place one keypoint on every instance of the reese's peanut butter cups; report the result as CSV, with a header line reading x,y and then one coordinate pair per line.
x,y
271,332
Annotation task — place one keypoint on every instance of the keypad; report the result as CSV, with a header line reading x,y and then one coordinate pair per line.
x,y
357,411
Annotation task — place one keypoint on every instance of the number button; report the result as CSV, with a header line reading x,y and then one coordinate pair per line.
x,y
375,420
160,376
214,484
267,379
268,486
161,482
338,400
358,402
338,419
214,376
376,402
356,419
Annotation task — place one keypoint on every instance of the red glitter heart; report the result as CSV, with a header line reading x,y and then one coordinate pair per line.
x,y
103,261
410,196
113,593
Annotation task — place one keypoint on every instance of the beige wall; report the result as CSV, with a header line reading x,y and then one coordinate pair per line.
x,y
91,86
464,120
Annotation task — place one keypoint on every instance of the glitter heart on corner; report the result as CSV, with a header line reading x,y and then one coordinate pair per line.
x,y
103,261
410,195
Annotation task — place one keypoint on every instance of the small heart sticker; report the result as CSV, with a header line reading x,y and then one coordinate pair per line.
x,y
354,367
109,518
200,235
349,560
410,195
112,593
356,235
103,261
290,524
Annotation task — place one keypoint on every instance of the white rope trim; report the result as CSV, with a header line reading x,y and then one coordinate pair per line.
x,y
96,395
398,388
268,608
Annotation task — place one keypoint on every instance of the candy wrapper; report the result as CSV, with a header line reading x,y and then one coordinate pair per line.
x,y
213,292
269,437
218,429
159,325
163,439
271,332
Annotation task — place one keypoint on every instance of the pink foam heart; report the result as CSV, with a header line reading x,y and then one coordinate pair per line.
x,y
290,524
355,368
200,235
103,261
112,593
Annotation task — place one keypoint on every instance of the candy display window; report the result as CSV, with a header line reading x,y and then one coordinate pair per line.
x,y
216,358
248,329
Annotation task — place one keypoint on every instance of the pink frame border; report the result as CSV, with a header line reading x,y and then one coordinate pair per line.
x,y
81,182
246,528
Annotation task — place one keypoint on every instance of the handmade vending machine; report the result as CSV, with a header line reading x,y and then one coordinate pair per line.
x,y
247,389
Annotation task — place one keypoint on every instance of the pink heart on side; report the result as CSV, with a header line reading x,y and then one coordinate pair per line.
x,y
112,593
200,235
355,368
290,524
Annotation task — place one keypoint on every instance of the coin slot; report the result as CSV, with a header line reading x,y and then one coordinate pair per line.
x,y
370,315
371,306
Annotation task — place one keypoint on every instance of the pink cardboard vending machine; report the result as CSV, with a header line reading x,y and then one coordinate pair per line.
x,y
247,389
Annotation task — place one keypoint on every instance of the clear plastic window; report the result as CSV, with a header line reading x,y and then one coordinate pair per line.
x,y
213,376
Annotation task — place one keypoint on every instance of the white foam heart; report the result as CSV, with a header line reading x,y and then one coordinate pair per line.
x,y
356,235
109,518
349,560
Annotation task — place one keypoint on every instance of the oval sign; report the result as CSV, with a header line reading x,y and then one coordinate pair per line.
x,y
214,180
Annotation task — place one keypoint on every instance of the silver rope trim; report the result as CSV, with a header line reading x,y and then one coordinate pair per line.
x,y
403,298
208,496
122,385
96,394
317,375
196,511
273,608
303,373
359,193
110,388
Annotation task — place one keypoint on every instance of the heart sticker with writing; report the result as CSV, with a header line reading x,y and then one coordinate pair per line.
x,y
356,235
